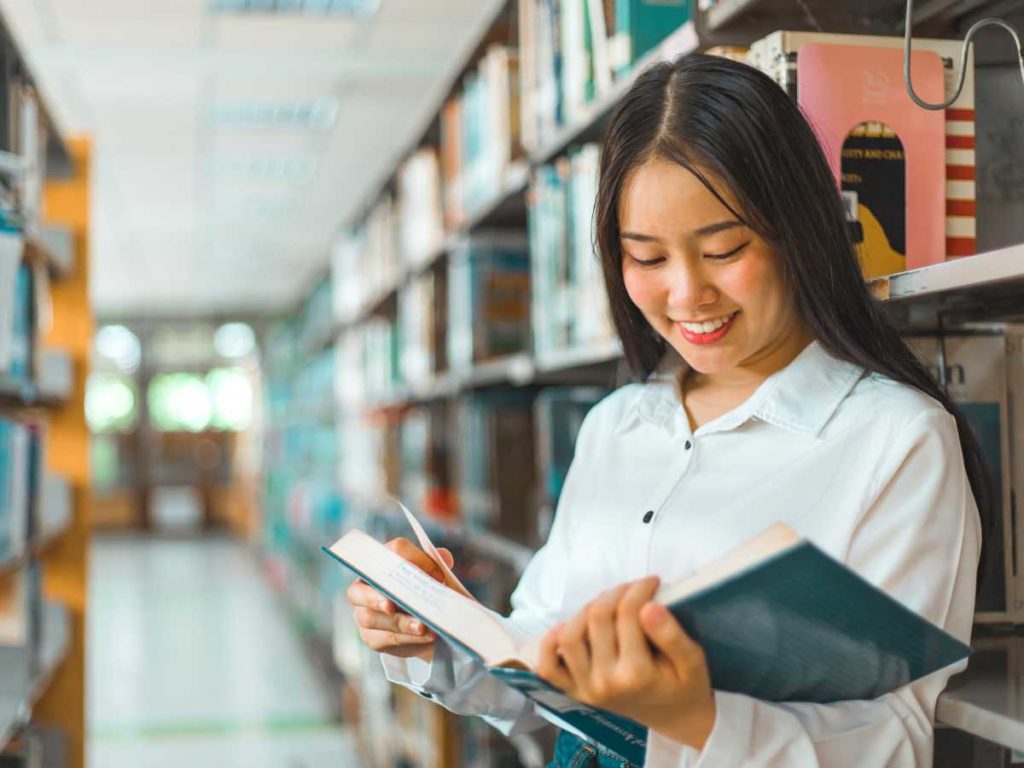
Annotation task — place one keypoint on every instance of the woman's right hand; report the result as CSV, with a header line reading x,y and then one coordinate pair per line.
x,y
382,625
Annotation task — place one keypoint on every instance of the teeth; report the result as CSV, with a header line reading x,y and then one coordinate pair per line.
x,y
708,327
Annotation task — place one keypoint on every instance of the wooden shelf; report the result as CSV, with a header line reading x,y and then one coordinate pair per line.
x,y
35,549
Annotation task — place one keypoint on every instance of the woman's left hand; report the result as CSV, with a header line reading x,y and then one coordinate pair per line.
x,y
628,655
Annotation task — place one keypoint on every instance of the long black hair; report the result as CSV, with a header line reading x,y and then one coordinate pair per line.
x,y
725,120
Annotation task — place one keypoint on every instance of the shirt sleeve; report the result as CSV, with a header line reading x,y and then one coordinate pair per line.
x,y
918,539
461,684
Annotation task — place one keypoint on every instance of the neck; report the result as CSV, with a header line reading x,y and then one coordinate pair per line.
x,y
752,372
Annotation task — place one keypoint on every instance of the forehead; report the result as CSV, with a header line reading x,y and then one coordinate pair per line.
x,y
663,197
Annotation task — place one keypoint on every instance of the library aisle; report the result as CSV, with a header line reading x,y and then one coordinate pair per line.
x,y
270,267
195,662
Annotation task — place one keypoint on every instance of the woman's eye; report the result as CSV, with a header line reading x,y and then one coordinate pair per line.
x,y
646,262
727,255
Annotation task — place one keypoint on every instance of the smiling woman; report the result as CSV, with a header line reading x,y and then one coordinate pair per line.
x,y
723,243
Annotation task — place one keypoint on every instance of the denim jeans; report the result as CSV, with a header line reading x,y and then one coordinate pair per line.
x,y
571,752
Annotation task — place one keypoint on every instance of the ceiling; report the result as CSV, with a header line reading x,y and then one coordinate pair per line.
x,y
230,148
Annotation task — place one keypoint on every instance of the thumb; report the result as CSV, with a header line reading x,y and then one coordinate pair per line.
x,y
447,556
667,636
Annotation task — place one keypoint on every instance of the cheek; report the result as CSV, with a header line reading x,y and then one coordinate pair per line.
x,y
754,284
642,288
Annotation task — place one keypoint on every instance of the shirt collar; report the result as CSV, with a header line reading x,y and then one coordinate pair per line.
x,y
802,397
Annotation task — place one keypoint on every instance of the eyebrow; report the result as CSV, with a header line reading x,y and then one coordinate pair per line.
x,y
710,229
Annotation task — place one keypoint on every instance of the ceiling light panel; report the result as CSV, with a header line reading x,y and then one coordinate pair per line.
x,y
318,115
346,8
272,169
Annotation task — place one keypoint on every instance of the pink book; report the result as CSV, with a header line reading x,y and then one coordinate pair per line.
x,y
888,154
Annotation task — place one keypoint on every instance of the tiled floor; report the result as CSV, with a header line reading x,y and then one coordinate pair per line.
x,y
192,662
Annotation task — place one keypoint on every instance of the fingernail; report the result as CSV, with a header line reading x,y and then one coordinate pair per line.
x,y
382,606
660,614
415,626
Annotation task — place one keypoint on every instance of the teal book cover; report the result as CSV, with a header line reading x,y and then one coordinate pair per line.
x,y
800,626
648,22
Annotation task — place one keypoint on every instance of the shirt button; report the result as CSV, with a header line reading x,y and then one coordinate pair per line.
x,y
648,515
688,445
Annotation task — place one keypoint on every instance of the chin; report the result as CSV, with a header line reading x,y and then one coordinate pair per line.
x,y
706,361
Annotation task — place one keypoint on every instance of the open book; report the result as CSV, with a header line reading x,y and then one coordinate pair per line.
x,y
778,619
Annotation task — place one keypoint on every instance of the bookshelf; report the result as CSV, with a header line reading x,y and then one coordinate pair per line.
x,y
399,436
56,519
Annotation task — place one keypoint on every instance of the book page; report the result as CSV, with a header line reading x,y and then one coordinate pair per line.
x,y
772,541
428,546
442,608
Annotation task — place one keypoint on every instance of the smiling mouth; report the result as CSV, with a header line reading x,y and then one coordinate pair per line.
x,y
708,326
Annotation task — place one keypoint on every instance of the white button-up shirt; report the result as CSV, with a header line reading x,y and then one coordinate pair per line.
x,y
869,470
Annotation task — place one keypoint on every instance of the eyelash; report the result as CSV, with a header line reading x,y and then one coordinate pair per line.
x,y
713,256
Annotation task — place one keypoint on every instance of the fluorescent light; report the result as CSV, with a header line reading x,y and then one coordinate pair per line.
x,y
356,8
269,168
319,115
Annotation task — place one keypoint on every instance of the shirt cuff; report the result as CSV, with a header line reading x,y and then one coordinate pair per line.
x,y
727,746
428,677
729,742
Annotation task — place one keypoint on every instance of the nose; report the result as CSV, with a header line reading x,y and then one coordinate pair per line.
x,y
688,287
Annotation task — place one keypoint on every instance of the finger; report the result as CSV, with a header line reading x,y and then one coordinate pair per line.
x,y
601,629
667,636
362,594
402,623
410,552
379,640
632,641
549,664
447,556
573,649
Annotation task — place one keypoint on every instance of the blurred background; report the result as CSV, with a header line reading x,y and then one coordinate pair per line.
x,y
266,265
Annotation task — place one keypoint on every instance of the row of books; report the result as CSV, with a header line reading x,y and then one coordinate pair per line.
x,y
17,308
366,262
302,505
572,51
480,134
490,461
569,303
34,503
472,307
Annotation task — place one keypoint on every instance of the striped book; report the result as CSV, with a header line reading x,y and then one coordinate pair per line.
x,y
776,55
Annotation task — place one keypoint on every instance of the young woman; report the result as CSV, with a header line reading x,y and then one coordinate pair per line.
x,y
723,240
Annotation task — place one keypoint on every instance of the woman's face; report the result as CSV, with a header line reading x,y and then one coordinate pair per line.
x,y
705,282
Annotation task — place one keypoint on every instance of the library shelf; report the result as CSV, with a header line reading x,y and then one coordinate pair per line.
x,y
683,40
36,548
579,357
759,17
500,548
985,700
484,542
16,707
55,247
13,165
26,394
971,287
517,370
506,209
